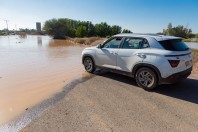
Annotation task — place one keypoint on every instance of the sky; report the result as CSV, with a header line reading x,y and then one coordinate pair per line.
x,y
140,16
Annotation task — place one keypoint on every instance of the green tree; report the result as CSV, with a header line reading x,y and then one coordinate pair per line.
x,y
90,29
72,28
169,30
81,31
126,31
56,28
179,31
115,29
103,29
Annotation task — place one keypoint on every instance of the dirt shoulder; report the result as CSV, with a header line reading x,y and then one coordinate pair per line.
x,y
195,68
195,61
91,41
112,102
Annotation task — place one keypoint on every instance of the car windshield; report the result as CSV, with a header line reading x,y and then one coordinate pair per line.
x,y
174,45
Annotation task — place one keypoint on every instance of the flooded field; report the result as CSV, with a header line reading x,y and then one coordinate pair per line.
x,y
192,45
32,68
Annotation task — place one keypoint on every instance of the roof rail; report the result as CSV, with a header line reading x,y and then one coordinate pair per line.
x,y
151,34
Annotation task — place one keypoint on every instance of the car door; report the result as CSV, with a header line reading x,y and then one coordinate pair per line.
x,y
131,53
106,56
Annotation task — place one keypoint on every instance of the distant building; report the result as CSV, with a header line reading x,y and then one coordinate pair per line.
x,y
38,26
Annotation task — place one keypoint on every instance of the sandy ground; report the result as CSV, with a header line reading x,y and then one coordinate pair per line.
x,y
195,68
113,103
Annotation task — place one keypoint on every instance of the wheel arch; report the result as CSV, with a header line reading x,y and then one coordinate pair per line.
x,y
141,65
88,55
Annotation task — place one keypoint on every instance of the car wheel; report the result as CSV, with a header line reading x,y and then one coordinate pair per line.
x,y
146,78
89,65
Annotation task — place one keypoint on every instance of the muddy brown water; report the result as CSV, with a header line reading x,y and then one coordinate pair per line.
x,y
33,68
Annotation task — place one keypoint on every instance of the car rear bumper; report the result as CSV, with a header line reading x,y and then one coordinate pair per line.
x,y
176,77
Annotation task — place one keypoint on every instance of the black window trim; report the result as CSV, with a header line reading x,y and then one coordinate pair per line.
x,y
112,39
134,38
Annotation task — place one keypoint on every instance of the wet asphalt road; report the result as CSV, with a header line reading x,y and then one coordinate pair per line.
x,y
111,102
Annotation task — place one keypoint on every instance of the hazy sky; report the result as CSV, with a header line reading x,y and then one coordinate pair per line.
x,y
140,16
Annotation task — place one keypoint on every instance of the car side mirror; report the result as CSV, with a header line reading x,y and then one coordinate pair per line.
x,y
99,46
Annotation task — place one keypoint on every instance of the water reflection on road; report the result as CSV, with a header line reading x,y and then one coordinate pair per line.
x,y
32,68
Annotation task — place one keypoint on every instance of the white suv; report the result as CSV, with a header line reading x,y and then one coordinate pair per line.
x,y
150,59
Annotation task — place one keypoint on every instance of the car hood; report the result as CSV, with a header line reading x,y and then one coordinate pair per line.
x,y
90,48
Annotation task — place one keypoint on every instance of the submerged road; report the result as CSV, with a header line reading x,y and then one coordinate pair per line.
x,y
113,103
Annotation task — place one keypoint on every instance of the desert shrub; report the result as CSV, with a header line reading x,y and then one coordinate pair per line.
x,y
187,40
91,40
99,41
80,40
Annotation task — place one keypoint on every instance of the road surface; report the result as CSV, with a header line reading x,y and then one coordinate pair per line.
x,y
113,103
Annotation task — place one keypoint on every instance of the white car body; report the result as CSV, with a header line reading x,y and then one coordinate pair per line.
x,y
155,56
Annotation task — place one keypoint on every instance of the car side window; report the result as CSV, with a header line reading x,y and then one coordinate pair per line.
x,y
135,43
113,43
145,44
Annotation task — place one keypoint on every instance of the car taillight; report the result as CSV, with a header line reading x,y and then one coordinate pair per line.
x,y
174,63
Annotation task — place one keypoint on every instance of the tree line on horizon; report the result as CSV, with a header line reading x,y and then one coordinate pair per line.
x,y
59,28
72,28
179,31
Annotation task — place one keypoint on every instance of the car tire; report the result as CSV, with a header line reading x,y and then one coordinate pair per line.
x,y
146,78
89,64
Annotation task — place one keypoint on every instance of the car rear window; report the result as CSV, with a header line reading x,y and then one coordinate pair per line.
x,y
174,45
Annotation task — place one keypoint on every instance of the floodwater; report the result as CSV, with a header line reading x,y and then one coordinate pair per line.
x,y
192,45
33,68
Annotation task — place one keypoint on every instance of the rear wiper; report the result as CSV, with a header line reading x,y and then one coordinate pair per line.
x,y
186,48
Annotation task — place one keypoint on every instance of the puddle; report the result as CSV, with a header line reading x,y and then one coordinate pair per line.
x,y
32,69
25,118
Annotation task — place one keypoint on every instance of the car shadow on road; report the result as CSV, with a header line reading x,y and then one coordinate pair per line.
x,y
186,90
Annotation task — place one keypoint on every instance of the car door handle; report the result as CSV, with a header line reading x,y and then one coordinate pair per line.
x,y
113,53
141,55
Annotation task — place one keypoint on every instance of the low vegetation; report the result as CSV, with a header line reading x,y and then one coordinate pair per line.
x,y
191,40
126,31
187,40
2,32
87,41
